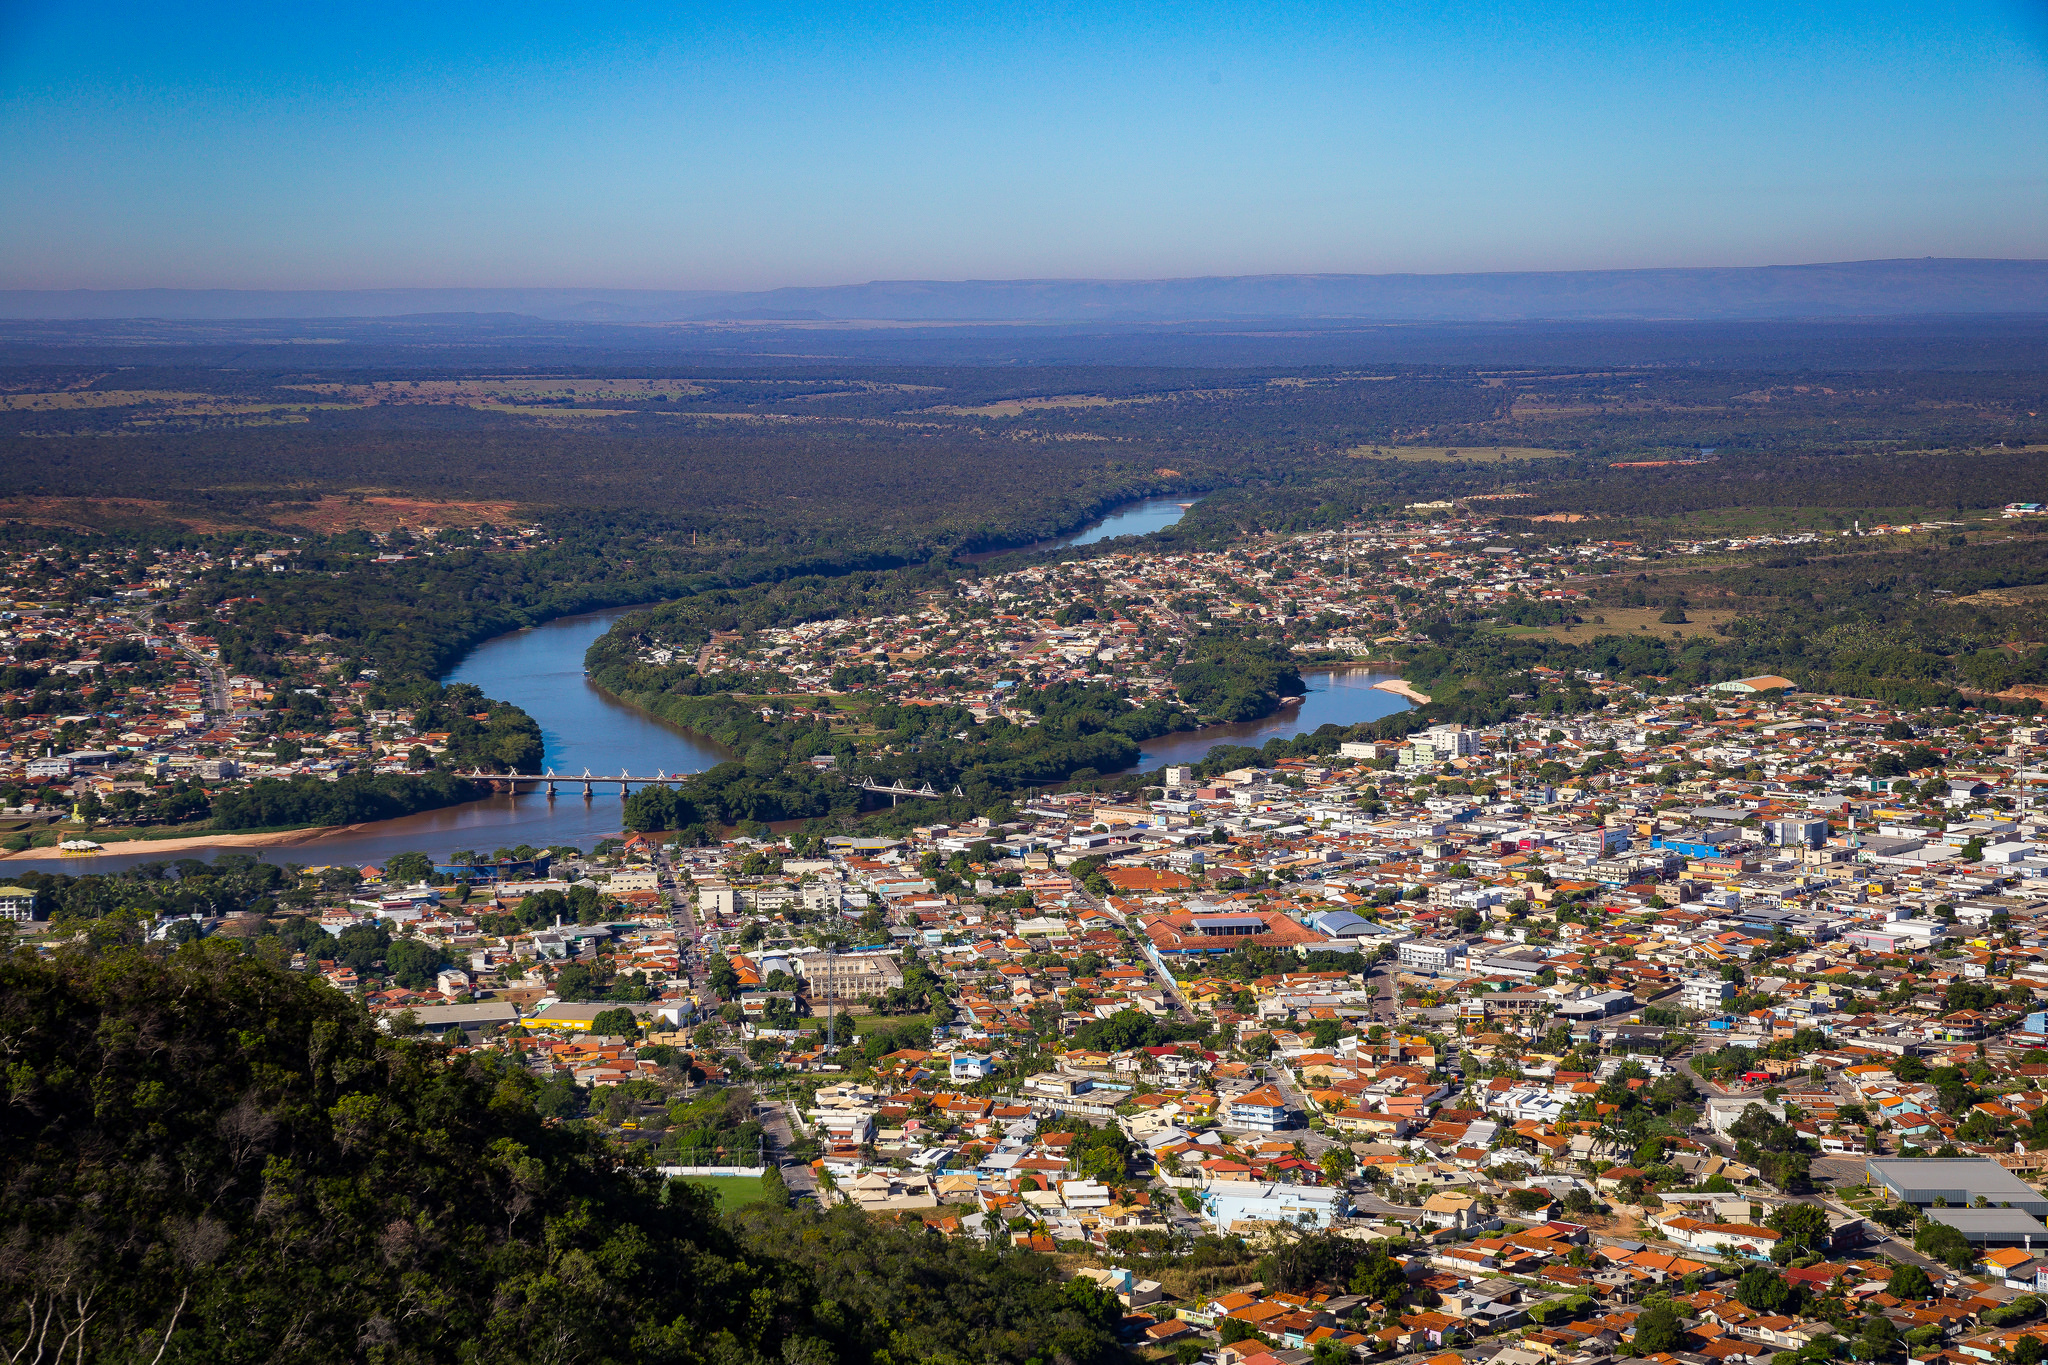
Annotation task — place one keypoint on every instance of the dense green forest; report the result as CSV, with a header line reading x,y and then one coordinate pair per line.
x,y
211,1159
824,462
349,800
132,899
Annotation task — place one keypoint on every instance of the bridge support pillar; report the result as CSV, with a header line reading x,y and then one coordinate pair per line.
x,y
586,791
551,787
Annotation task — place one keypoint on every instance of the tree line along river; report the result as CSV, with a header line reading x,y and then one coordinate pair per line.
x,y
541,671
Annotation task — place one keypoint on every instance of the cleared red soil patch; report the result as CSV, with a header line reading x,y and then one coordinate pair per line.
x,y
331,514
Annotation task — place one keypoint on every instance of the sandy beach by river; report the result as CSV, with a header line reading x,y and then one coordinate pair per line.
x,y
184,843
1402,689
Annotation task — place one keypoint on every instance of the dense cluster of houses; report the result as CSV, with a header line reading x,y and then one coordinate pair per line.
x,y
1340,591
101,698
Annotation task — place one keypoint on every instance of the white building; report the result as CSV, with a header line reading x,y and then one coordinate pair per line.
x,y
850,976
17,903
845,1125
1722,1113
1263,1110
1230,1201
1899,936
1706,994
1366,749
1451,741
1430,955
1084,1194
820,895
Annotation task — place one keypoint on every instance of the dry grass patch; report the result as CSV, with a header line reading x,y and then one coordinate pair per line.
x,y
101,514
2008,597
488,390
1445,454
74,400
1014,407
1631,621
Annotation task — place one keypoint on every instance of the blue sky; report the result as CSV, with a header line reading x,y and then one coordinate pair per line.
x,y
746,146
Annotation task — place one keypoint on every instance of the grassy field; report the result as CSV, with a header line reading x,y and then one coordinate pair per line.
x,y
861,1025
865,1024
731,1191
1628,621
1445,454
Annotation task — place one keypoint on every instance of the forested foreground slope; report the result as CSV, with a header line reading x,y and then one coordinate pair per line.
x,y
207,1159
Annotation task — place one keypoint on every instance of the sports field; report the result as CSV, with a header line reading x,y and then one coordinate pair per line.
x,y
731,1191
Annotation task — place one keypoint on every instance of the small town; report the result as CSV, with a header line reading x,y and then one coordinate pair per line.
x,y
1698,1029
114,721
112,718
1050,685
1349,594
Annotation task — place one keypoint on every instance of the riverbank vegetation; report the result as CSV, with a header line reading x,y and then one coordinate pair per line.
x,y
478,732
1078,730
271,803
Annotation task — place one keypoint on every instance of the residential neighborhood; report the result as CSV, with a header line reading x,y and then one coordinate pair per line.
x,y
1687,1025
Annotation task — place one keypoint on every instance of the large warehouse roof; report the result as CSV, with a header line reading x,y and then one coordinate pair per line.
x,y
1992,1227
1959,1181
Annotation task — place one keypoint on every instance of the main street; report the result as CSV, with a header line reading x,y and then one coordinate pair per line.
x,y
800,1178
216,678
683,915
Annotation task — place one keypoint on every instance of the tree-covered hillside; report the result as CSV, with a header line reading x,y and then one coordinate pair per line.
x,y
208,1159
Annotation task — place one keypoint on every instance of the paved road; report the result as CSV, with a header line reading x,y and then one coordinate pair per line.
x,y
1382,1208
1379,978
683,914
216,679
800,1179
1836,1172
1682,1064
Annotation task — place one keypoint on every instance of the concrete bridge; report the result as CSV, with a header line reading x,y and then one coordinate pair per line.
x,y
588,780
626,781
894,791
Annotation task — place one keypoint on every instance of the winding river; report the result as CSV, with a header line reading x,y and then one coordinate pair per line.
x,y
1131,519
541,671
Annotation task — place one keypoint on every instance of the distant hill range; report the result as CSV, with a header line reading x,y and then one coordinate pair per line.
x,y
1851,289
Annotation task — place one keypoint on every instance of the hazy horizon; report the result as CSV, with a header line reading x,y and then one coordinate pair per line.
x,y
1868,289
765,147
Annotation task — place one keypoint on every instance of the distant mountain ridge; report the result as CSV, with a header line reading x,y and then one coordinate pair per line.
x,y
1932,286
